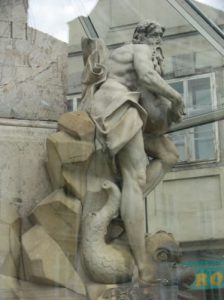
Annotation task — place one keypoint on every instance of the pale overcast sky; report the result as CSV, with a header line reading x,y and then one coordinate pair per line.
x,y
214,3
51,16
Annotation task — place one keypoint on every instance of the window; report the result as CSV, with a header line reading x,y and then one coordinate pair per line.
x,y
73,102
199,143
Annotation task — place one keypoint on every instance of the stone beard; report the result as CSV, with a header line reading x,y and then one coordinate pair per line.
x,y
158,60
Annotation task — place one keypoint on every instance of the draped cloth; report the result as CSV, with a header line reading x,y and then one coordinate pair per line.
x,y
114,109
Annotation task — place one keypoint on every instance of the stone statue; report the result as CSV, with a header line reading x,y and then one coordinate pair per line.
x,y
102,162
132,108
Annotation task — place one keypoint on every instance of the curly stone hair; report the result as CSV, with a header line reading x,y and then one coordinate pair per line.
x,y
142,28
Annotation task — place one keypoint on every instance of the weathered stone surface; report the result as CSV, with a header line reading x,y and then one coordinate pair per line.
x,y
67,162
19,30
4,29
60,215
96,291
33,68
75,178
23,155
10,228
124,291
29,291
46,263
12,289
78,124
39,85
13,10
9,287
70,150
54,166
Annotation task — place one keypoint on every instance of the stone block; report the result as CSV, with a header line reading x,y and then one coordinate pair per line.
x,y
54,166
23,156
23,72
31,291
10,229
70,150
39,92
68,162
8,72
18,10
60,215
4,29
3,46
19,30
9,287
45,262
96,291
113,291
78,124
12,289
75,178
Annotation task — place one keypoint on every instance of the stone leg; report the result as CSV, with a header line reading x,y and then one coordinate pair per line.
x,y
133,162
165,156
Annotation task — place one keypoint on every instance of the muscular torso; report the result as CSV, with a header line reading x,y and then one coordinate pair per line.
x,y
121,68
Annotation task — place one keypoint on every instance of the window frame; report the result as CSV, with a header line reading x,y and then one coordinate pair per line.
x,y
189,138
75,99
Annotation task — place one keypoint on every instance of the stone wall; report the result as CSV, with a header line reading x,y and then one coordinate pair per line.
x,y
32,97
33,68
23,179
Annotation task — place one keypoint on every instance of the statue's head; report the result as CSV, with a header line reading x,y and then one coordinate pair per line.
x,y
164,252
148,32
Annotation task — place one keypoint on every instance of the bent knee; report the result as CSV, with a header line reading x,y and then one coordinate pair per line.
x,y
140,177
